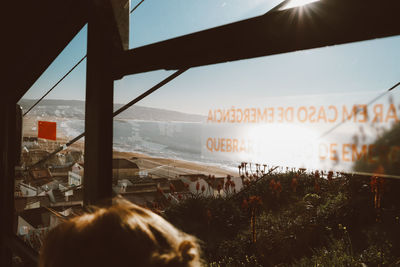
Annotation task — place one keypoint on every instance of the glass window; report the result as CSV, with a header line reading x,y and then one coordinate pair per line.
x,y
48,185
155,21
268,157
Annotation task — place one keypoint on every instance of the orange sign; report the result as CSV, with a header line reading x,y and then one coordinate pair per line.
x,y
47,130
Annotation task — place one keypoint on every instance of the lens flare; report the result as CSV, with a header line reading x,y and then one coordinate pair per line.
x,y
297,3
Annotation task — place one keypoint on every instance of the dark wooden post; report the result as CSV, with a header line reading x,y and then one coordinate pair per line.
x,y
7,175
99,104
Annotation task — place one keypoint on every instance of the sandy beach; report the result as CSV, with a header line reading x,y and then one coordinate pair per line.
x,y
172,167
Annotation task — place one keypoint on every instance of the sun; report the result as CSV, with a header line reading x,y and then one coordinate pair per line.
x,y
297,3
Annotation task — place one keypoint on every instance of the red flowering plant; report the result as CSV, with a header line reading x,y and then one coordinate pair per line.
x,y
317,186
272,185
159,190
378,186
242,178
245,204
172,188
210,180
186,185
275,187
263,171
278,188
294,184
246,182
209,185
330,177
252,205
316,175
233,187
219,188
208,216
245,168
258,173
229,186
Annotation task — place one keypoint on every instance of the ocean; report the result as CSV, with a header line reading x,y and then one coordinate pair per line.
x,y
172,140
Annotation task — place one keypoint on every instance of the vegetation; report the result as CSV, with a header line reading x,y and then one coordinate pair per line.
x,y
385,155
296,219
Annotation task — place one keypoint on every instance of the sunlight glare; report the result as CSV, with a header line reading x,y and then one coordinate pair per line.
x,y
293,144
297,3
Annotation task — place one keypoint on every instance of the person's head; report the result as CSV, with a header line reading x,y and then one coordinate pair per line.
x,y
121,235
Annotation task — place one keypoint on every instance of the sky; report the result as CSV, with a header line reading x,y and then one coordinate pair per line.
x,y
336,75
370,66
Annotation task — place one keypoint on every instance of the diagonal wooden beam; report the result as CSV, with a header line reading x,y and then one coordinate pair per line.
x,y
319,24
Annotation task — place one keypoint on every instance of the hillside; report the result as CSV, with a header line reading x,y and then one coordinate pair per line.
x,y
76,109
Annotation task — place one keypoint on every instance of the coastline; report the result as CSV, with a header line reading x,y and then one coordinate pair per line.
x,y
160,166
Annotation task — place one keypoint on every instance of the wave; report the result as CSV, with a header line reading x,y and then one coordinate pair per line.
x,y
171,140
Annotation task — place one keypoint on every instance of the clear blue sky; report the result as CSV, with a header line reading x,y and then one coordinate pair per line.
x,y
364,66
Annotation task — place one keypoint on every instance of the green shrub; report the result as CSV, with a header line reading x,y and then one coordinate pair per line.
x,y
231,262
333,225
336,254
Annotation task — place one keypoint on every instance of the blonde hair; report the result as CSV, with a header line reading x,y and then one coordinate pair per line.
x,y
121,235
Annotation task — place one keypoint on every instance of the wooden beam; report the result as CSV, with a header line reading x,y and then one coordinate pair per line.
x,y
99,104
7,176
41,31
121,21
319,24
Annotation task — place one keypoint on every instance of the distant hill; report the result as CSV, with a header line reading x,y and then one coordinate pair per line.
x,y
76,109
